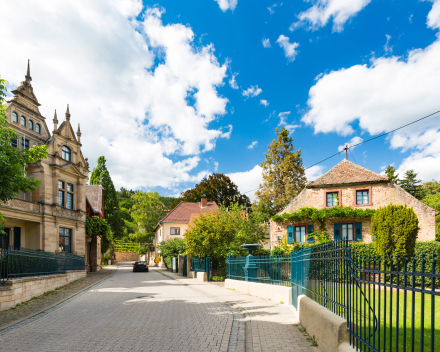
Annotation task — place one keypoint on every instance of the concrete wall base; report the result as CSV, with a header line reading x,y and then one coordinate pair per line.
x,y
16,291
275,293
329,329
201,276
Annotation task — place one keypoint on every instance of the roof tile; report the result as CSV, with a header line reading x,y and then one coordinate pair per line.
x,y
347,172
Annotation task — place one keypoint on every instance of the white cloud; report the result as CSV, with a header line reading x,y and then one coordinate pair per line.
x,y
271,8
323,10
248,180
233,82
388,49
264,102
289,48
434,15
252,91
314,172
266,43
129,83
283,121
389,93
226,5
354,141
252,145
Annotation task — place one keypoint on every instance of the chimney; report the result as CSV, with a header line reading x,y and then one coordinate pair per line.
x,y
204,203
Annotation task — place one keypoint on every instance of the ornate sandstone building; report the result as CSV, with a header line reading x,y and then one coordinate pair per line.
x,y
51,218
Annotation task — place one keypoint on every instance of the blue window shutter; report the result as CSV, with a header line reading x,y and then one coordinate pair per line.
x,y
337,232
311,239
289,234
358,229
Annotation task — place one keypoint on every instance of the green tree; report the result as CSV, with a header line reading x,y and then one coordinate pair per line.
x,y
433,200
13,161
172,248
215,234
283,174
101,176
411,184
147,211
99,227
216,188
126,203
395,228
431,187
392,174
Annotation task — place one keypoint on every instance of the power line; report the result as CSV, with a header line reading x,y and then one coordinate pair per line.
x,y
363,142
352,155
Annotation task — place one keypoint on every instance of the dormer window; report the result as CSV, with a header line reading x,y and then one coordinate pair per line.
x,y
23,121
66,153
37,128
14,117
31,125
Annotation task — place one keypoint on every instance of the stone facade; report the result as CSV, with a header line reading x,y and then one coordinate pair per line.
x,y
16,291
34,220
94,208
381,193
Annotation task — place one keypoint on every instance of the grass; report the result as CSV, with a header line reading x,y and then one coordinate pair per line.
x,y
382,308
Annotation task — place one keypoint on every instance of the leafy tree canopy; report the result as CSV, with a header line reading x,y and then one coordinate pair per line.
x,y
431,187
100,227
172,248
283,174
101,176
392,174
147,211
215,234
216,188
13,161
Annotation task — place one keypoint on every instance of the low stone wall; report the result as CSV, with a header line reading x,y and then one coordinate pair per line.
x,y
275,293
16,291
330,330
126,256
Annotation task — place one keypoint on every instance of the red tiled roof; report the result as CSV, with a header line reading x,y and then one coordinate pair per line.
x,y
347,172
182,213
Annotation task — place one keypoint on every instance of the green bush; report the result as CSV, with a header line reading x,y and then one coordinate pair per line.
x,y
172,248
395,228
167,261
105,258
261,251
218,278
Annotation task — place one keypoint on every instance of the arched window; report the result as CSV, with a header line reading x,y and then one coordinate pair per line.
x,y
14,117
37,128
66,155
23,121
31,124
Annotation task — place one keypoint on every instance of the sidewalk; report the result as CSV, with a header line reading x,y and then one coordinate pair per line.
x,y
50,299
269,326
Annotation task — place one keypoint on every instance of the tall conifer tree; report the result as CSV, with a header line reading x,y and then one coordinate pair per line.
x,y
283,174
411,184
101,176
391,173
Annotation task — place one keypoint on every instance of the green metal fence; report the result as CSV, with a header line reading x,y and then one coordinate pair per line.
x,y
28,262
378,296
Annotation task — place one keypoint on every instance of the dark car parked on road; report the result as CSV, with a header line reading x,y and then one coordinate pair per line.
x,y
140,266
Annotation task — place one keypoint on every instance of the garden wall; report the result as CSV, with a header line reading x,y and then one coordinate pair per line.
x,y
126,256
16,291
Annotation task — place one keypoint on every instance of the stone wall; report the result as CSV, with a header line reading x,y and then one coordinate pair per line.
x,y
381,195
126,256
16,291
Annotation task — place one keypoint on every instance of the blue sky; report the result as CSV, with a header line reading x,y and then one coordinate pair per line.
x,y
359,68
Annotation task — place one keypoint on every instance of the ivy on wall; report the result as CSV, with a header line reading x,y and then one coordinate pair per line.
x,y
321,215
97,227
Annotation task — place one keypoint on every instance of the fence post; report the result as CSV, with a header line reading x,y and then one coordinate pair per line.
x,y
208,268
294,297
250,268
228,272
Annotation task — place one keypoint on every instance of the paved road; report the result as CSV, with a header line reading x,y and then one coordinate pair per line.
x,y
130,312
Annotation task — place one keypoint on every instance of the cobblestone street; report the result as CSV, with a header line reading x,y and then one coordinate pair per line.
x,y
131,312
154,312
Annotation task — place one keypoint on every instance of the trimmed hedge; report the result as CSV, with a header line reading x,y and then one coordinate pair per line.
x,y
367,249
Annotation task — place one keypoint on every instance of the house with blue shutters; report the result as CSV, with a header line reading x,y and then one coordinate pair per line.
x,y
348,184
